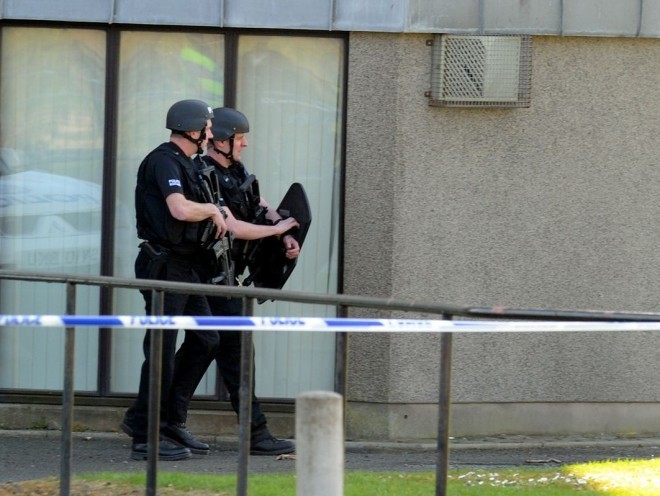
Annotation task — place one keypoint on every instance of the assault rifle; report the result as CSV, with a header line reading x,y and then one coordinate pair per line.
x,y
220,248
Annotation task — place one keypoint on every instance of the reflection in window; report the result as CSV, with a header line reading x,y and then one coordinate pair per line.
x,y
52,110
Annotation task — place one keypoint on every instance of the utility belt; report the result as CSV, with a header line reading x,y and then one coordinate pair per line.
x,y
159,255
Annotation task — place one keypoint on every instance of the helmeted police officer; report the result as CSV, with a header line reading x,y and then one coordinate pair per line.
x,y
173,219
171,215
224,153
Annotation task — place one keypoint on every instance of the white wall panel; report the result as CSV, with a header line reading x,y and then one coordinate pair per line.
x,y
650,19
540,17
601,17
197,13
369,15
446,16
66,10
514,16
290,14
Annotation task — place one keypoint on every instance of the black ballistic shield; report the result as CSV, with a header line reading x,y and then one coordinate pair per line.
x,y
269,267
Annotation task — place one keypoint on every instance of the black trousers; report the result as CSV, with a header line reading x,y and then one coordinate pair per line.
x,y
228,357
183,370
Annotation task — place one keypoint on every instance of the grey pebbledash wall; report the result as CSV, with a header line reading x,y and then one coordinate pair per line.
x,y
554,207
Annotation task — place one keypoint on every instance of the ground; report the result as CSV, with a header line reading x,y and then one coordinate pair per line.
x,y
51,487
30,460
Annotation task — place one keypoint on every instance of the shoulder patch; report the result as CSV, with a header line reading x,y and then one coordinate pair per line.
x,y
175,182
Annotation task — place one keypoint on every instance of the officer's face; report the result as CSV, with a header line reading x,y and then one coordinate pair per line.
x,y
240,142
209,134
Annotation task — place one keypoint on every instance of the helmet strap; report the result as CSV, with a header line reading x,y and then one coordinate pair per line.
x,y
196,141
230,155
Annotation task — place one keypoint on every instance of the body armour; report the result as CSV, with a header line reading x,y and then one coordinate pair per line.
x,y
240,191
167,166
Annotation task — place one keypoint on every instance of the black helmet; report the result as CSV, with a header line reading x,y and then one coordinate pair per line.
x,y
188,115
226,122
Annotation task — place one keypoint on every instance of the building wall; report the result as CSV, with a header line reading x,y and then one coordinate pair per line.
x,y
547,17
547,207
550,207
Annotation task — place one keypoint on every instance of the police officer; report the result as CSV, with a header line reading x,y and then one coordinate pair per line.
x,y
224,153
170,216
169,206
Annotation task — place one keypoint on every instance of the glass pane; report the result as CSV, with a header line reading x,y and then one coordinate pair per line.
x,y
51,158
291,90
156,70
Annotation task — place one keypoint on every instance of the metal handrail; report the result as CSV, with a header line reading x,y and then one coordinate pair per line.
x,y
249,294
380,303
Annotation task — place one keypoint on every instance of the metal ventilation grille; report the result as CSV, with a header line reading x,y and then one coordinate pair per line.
x,y
481,71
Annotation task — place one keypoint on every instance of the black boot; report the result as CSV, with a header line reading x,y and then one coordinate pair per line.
x,y
262,442
182,436
167,451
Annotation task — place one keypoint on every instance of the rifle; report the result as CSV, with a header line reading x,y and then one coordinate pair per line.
x,y
220,248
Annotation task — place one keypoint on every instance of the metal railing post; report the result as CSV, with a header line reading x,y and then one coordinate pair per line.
x,y
444,405
68,395
155,383
341,340
245,403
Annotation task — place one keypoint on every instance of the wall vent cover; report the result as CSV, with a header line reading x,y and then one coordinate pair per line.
x,y
481,71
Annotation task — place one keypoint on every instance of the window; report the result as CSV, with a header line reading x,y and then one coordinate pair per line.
x,y
52,152
291,90
51,157
156,70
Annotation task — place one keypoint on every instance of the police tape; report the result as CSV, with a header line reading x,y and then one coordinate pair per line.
x,y
318,324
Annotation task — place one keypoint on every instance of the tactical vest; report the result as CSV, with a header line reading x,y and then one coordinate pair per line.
x,y
154,221
241,194
240,191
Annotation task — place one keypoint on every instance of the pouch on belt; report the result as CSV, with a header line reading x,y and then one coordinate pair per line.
x,y
157,258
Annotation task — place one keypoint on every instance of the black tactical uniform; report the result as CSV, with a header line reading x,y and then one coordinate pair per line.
x,y
242,198
172,248
244,206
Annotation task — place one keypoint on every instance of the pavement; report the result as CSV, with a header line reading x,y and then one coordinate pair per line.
x,y
35,454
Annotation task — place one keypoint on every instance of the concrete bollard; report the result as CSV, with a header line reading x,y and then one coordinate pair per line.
x,y
319,444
